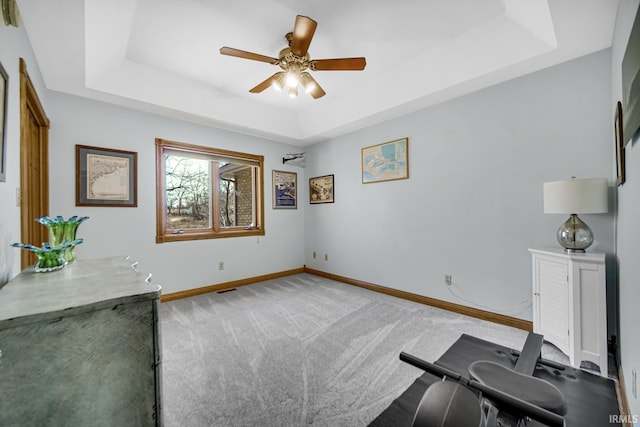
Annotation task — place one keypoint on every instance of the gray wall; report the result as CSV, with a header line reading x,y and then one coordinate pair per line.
x,y
628,230
473,203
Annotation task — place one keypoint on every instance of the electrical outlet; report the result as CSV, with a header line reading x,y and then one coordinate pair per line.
x,y
448,279
634,383
221,265
326,257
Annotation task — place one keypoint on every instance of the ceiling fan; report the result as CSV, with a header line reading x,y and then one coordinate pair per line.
x,y
295,62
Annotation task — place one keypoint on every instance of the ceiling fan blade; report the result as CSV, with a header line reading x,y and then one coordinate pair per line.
x,y
338,64
248,55
265,84
302,35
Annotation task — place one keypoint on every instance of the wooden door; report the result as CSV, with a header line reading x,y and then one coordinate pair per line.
x,y
34,166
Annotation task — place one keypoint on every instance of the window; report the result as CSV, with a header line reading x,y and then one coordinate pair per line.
x,y
206,193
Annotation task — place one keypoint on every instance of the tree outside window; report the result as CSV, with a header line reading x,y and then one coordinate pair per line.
x,y
205,193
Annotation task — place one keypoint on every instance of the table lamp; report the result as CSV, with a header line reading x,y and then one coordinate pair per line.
x,y
575,196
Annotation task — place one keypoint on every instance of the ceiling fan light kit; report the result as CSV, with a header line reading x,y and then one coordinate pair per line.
x,y
278,81
293,75
307,82
10,13
295,61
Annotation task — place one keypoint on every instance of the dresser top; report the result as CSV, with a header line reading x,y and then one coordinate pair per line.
x,y
84,285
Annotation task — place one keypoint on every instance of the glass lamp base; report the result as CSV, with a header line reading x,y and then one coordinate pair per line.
x,y
574,235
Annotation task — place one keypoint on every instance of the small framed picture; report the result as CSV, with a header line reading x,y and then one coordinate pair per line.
x,y
617,126
321,189
106,177
285,190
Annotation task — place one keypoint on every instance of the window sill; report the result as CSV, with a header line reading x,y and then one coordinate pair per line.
x,y
199,235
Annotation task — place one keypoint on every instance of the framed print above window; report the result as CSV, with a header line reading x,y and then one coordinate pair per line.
x,y
106,177
321,189
285,190
386,162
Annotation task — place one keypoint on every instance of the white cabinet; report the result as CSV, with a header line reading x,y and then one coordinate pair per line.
x,y
570,304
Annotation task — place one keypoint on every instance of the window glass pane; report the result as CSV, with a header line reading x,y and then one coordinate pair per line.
x,y
188,196
236,195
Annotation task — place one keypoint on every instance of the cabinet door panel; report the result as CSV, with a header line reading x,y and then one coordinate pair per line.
x,y
592,314
553,302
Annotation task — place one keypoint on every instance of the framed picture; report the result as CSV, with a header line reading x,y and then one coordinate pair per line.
x,y
4,85
630,68
617,126
106,177
321,189
285,190
388,161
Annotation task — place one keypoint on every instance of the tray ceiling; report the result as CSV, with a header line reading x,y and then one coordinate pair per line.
x,y
162,55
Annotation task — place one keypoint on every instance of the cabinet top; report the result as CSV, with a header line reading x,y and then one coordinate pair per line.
x,y
81,286
576,256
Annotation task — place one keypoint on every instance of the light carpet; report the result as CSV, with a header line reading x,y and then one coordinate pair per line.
x,y
300,350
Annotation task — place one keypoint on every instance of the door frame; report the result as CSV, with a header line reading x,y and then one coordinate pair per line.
x,y
31,109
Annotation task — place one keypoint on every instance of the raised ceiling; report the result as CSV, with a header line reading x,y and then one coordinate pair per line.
x,y
162,55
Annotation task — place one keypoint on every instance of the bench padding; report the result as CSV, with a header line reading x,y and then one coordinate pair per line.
x,y
530,389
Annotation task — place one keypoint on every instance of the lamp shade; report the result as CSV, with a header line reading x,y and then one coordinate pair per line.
x,y
576,196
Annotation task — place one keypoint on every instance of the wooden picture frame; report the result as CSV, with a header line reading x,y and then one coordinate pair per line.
x,y
106,177
619,141
321,189
285,190
4,89
630,76
388,161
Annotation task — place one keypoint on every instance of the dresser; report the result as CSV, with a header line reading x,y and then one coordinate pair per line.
x,y
570,304
80,347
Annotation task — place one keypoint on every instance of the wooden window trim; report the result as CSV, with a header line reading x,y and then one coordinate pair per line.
x,y
163,235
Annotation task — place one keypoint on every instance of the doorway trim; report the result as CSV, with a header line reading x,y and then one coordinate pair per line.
x,y
30,202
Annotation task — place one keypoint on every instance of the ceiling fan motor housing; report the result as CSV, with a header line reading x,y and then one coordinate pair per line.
x,y
286,58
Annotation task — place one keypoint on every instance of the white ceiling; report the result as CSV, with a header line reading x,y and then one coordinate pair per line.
x,y
162,55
